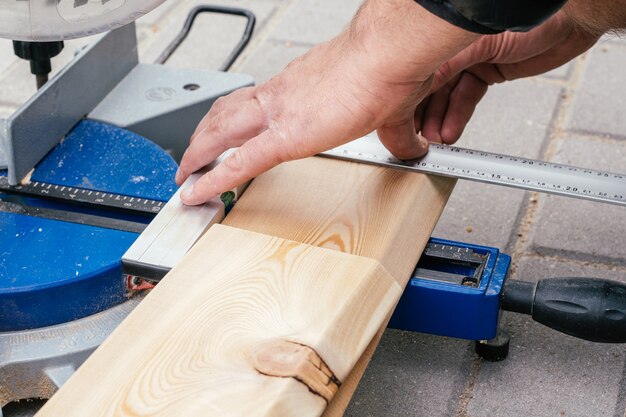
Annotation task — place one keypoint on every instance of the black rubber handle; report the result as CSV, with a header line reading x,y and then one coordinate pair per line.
x,y
588,308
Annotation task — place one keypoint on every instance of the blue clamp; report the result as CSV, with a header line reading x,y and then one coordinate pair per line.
x,y
454,291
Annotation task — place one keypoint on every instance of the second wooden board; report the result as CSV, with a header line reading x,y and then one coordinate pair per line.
x,y
245,325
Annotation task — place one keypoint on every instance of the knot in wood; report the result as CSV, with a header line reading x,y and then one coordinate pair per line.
x,y
286,359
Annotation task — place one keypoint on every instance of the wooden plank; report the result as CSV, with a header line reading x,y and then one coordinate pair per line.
x,y
338,406
153,364
365,210
381,213
234,330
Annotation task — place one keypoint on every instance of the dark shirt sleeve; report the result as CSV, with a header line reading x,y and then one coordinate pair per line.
x,y
493,16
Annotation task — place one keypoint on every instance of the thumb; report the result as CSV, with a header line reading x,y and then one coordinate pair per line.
x,y
398,134
402,140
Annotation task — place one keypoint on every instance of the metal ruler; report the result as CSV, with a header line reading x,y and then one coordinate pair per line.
x,y
95,199
492,168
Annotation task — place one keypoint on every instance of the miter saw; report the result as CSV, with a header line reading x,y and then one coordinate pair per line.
x,y
85,164
88,162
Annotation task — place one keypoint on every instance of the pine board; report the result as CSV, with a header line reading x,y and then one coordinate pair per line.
x,y
339,241
381,213
235,331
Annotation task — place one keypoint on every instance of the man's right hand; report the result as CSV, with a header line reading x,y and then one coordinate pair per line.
x,y
370,77
461,82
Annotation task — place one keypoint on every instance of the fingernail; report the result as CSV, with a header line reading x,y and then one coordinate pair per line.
x,y
187,193
423,141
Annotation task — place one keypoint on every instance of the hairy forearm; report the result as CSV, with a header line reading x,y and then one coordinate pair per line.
x,y
598,16
402,37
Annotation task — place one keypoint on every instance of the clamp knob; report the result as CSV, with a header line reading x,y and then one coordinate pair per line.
x,y
39,55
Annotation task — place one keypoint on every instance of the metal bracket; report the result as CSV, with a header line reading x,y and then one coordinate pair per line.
x,y
34,363
165,104
4,160
40,123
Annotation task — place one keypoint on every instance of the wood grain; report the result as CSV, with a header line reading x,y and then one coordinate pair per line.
x,y
273,323
246,325
379,213
384,214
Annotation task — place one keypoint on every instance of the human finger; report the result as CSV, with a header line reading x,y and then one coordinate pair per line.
x,y
507,48
237,96
463,101
418,118
577,43
253,158
401,139
230,128
436,111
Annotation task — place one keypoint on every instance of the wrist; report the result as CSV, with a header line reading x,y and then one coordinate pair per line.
x,y
597,18
404,38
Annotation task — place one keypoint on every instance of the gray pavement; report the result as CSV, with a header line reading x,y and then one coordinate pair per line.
x,y
574,114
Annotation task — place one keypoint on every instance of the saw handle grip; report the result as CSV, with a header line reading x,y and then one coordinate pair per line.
x,y
587,308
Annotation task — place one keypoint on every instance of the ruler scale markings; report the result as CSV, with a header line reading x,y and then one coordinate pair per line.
x,y
498,169
82,196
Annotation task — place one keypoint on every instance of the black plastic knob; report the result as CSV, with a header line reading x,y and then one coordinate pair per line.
x,y
38,53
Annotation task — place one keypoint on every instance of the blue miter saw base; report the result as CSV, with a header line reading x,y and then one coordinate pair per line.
x,y
53,271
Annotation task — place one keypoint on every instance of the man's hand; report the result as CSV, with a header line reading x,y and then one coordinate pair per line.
x,y
370,77
462,82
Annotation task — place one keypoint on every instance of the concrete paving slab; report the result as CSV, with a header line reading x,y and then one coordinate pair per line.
x,y
413,375
616,38
533,268
582,229
597,108
547,373
313,21
482,214
6,56
550,375
561,73
212,38
271,58
513,119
